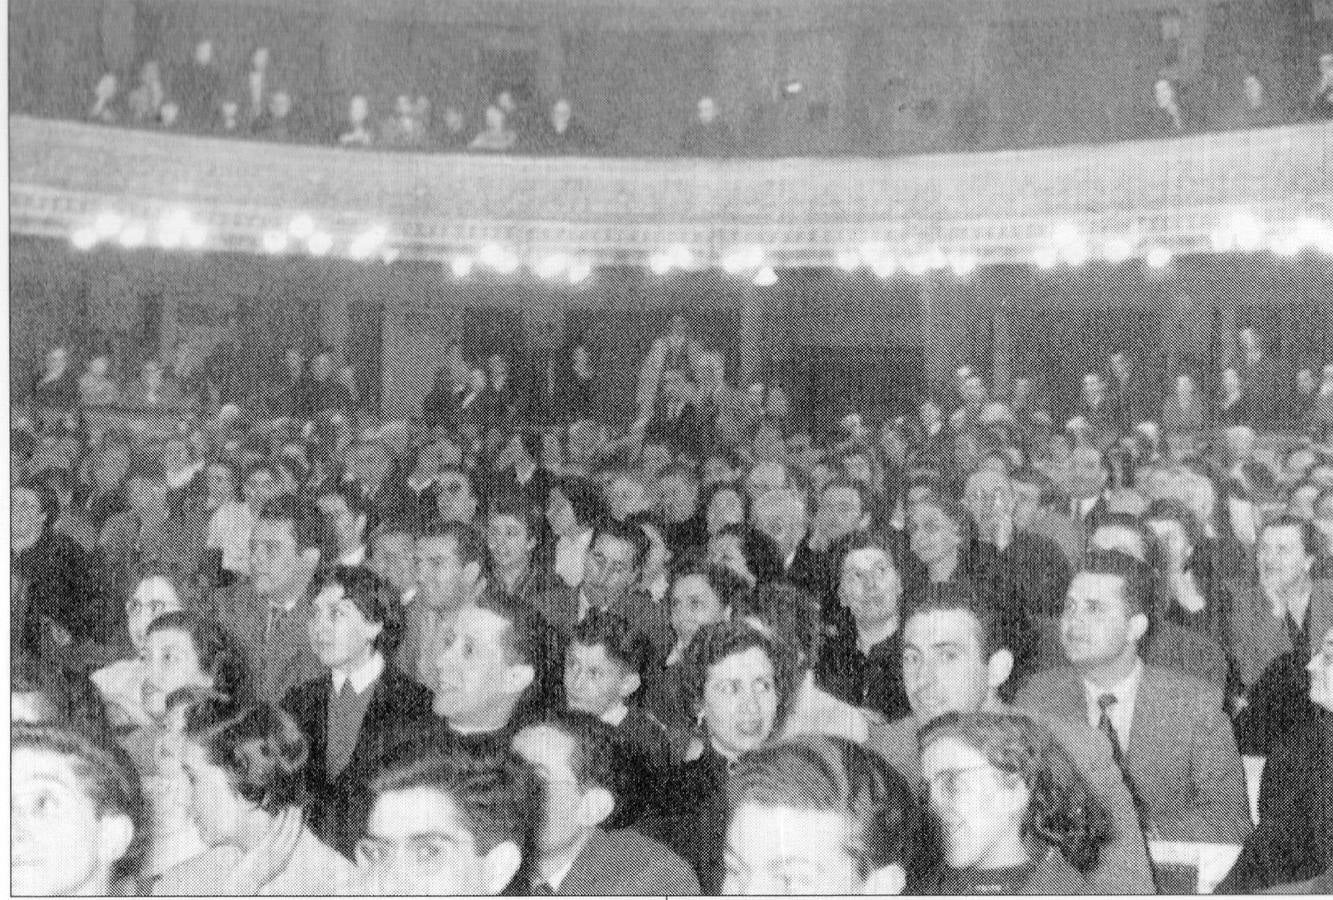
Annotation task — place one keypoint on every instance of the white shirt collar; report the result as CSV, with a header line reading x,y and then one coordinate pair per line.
x,y
355,558
409,595
362,677
558,877
866,640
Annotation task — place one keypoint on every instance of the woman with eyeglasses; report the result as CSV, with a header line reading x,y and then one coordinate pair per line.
x,y
121,682
1014,814
246,775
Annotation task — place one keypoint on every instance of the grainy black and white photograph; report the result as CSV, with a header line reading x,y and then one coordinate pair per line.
x,y
670,447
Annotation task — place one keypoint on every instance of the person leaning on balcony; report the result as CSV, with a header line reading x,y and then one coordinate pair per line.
x,y
1170,115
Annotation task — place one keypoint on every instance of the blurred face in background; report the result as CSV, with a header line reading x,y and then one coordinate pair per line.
x,y
393,559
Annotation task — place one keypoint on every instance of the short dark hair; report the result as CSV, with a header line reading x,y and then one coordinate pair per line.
x,y
760,552
599,757
629,533
720,487
832,774
372,598
221,655
951,596
106,775
624,642
843,481
496,792
1308,533
260,748
515,506
725,583
1170,509
469,543
1138,593
527,641
716,642
303,516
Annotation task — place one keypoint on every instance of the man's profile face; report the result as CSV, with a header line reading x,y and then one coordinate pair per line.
x,y
610,570
782,850
1095,627
417,843
943,667
870,587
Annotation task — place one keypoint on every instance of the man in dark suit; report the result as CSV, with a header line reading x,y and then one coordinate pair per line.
x,y
1089,474
362,708
1167,729
586,779
269,612
954,660
564,134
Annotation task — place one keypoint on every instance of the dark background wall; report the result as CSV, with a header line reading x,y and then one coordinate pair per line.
x,y
831,339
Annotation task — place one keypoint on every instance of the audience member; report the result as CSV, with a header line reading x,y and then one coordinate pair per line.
x,y
357,134
497,136
708,135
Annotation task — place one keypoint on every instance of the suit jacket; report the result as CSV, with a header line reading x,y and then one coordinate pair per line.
x,y
1294,840
340,801
278,661
559,606
1181,751
1258,637
1123,866
626,863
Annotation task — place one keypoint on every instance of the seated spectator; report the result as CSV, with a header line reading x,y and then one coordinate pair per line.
x,y
77,815
96,388
355,715
1015,814
1294,840
453,136
103,110
588,780
563,134
512,530
246,772
708,135
1251,107
1170,116
497,136
147,98
1167,729
403,130
740,682
276,123
230,123
257,84
357,134
1321,98
450,824
122,682
199,87
871,590
820,815
605,663
168,116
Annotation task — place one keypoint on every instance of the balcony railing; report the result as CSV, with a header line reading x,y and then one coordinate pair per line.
x,y
994,207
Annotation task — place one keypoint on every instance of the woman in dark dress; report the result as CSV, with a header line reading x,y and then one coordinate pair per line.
x,y
739,682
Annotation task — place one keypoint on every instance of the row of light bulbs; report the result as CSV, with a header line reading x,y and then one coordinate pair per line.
x,y
1066,245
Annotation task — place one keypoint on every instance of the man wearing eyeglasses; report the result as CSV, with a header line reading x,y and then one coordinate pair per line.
x,y
954,660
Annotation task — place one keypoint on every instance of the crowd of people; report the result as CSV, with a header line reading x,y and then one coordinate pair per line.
x,y
200,98
283,645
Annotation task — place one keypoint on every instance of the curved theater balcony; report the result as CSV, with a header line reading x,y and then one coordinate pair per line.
x,y
1048,205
